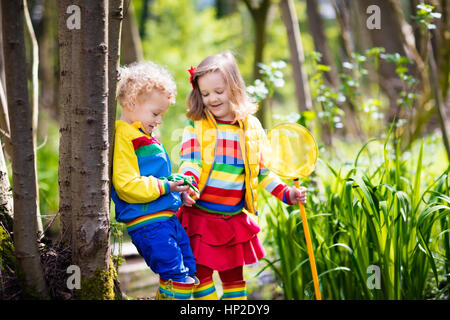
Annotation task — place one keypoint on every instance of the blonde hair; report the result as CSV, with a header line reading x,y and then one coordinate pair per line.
x,y
225,63
139,78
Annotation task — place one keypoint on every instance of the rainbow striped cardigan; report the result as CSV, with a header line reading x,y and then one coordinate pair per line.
x,y
139,160
201,157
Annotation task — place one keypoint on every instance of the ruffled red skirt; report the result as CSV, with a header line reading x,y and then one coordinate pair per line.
x,y
221,242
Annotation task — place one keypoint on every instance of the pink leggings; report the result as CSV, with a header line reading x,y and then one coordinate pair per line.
x,y
231,275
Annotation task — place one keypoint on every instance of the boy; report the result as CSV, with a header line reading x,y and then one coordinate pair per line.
x,y
145,200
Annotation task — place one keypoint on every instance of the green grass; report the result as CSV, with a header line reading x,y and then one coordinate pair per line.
x,y
393,215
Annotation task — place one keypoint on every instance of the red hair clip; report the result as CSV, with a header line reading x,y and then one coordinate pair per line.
x,y
192,71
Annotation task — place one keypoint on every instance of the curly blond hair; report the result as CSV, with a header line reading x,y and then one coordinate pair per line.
x,y
139,78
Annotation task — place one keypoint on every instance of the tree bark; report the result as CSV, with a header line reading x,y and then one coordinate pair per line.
x,y
89,175
439,105
4,121
66,73
23,157
144,17
388,37
6,200
131,42
48,60
114,35
260,17
35,100
444,50
297,57
225,7
320,41
342,18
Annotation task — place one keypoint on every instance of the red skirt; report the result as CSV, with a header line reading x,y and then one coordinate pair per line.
x,y
221,242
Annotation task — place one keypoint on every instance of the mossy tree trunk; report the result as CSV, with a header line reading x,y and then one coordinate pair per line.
x,y
23,156
88,57
89,152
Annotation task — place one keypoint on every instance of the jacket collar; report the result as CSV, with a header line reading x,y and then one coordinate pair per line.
x,y
212,121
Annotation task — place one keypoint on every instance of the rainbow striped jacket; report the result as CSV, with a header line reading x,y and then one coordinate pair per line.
x,y
139,160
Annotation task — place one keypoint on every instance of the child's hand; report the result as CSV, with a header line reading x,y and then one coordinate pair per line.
x,y
297,195
187,197
177,186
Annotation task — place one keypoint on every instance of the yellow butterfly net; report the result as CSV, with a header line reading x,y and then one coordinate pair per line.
x,y
291,151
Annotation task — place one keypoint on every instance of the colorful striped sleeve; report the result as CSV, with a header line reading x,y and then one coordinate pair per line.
x,y
273,184
128,183
190,155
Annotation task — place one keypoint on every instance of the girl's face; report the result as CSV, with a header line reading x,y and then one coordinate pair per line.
x,y
149,109
215,95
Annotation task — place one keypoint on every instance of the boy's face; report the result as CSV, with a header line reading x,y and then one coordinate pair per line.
x,y
149,109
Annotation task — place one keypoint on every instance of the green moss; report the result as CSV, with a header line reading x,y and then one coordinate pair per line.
x,y
7,253
100,286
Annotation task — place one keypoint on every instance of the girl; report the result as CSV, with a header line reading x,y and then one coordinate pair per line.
x,y
221,150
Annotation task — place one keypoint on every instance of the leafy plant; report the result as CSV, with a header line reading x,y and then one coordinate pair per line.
x,y
384,216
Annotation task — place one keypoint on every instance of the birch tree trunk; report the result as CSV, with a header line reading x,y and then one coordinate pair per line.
x,y
23,157
89,174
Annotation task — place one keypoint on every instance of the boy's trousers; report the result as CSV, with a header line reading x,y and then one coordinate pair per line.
x,y
165,247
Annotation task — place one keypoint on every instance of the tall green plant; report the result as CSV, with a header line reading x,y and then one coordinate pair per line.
x,y
384,218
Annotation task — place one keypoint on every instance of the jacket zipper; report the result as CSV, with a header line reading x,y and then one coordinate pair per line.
x,y
215,149
249,171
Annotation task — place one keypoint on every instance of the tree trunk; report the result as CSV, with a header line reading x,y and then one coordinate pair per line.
x,y
444,51
320,41
388,37
131,42
342,18
4,121
23,157
6,200
297,57
225,7
48,60
114,35
89,175
260,16
35,100
66,74
144,17
438,100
